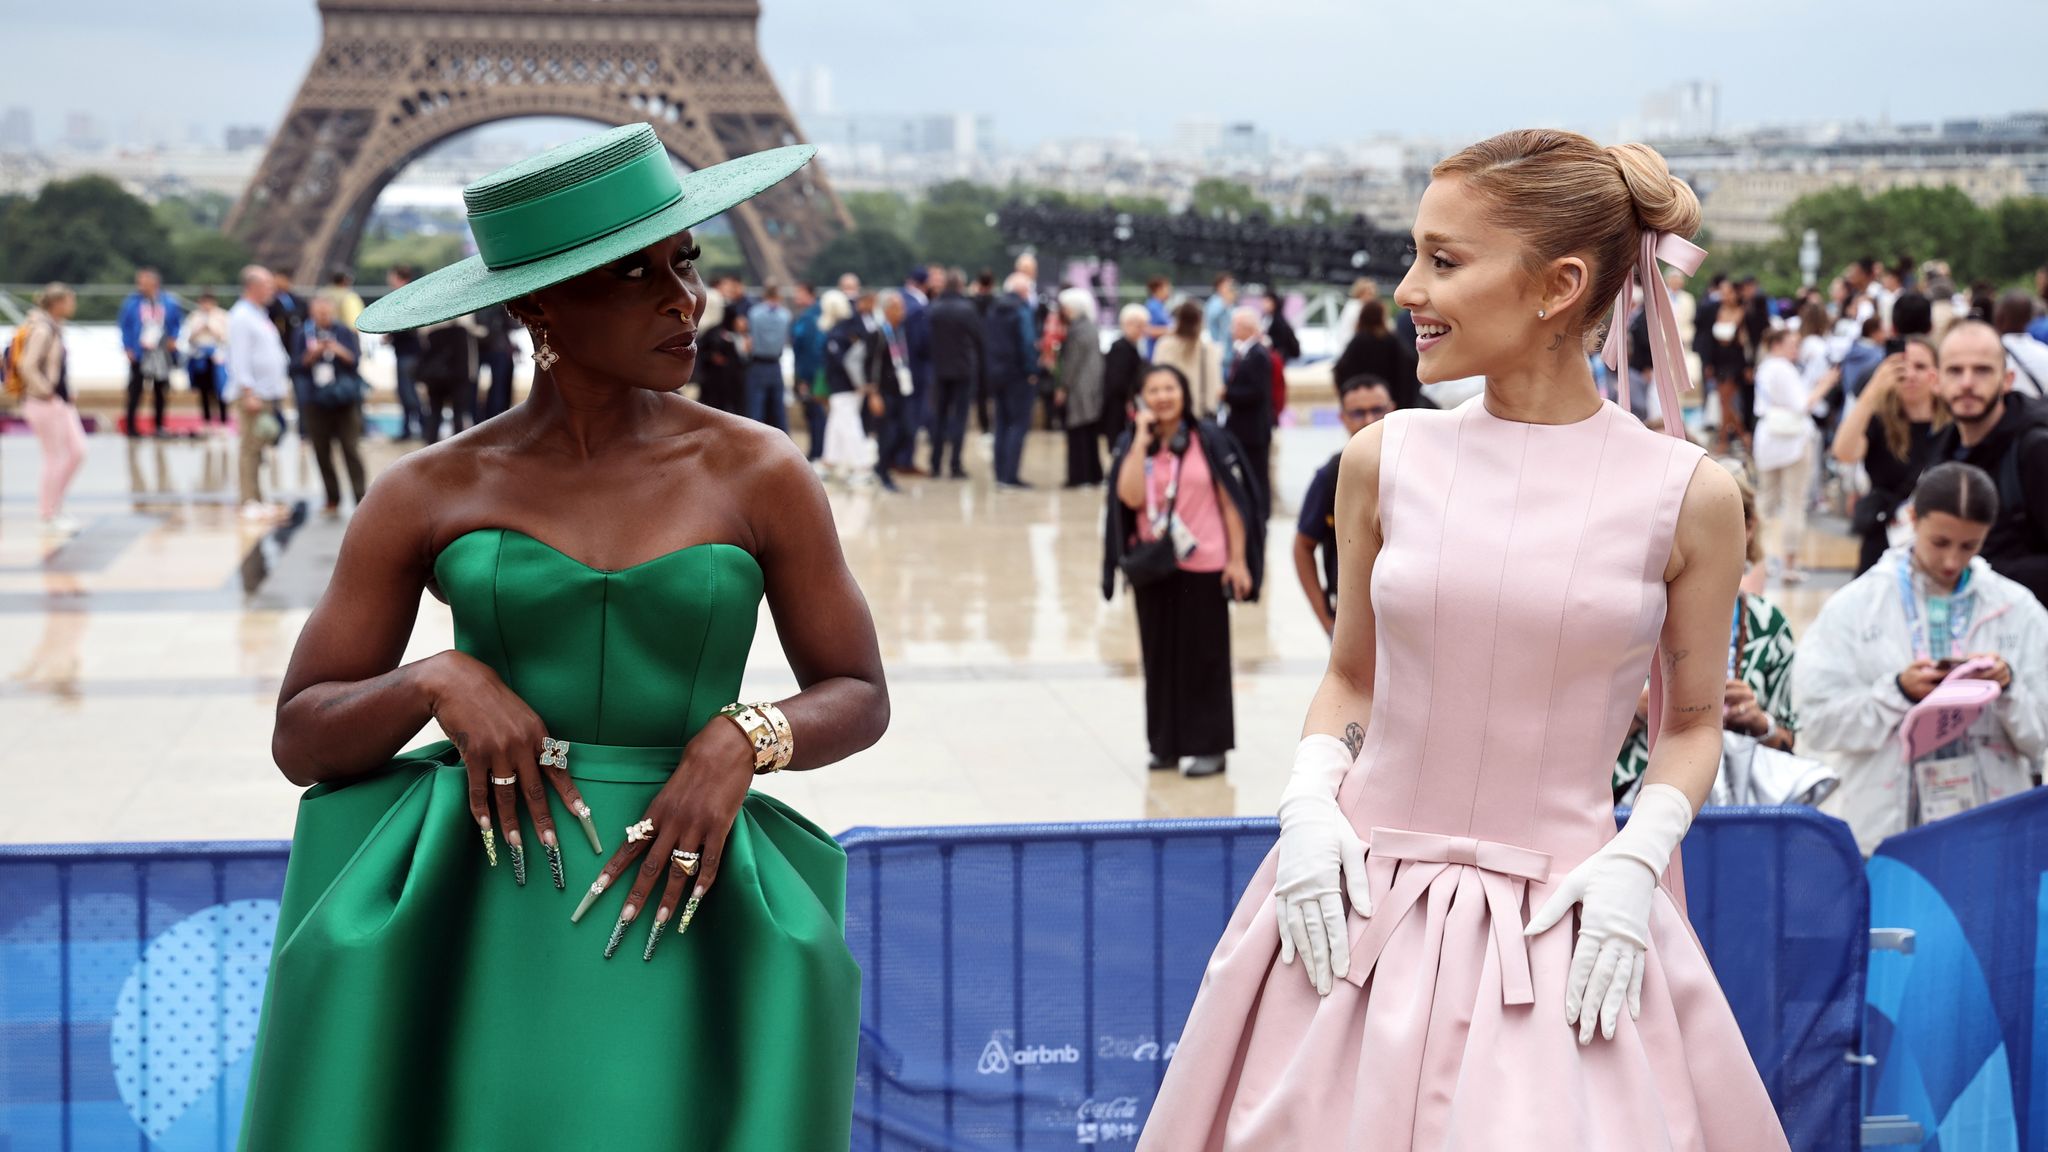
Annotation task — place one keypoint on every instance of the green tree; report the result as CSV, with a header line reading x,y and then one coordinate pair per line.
x,y
881,211
959,235
1923,223
207,257
876,255
81,230
2022,237
1217,197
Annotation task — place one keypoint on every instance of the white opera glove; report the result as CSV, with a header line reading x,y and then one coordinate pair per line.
x,y
1319,857
1613,889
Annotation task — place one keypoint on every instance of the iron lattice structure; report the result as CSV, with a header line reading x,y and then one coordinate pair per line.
x,y
395,77
1252,248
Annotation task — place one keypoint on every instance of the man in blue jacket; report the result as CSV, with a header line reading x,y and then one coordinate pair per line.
x,y
149,334
807,349
1011,344
917,333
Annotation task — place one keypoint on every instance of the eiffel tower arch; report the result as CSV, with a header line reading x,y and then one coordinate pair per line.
x,y
393,78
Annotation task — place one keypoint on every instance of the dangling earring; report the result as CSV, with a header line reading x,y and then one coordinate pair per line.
x,y
544,357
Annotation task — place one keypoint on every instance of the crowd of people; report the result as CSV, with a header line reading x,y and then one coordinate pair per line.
x,y
1920,409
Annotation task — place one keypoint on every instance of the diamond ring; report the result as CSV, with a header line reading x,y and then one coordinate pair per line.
x,y
504,781
687,861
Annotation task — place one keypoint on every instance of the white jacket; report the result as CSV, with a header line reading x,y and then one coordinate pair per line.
x,y
1845,688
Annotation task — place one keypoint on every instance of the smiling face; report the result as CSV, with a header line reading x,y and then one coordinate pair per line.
x,y
1162,393
632,322
1470,290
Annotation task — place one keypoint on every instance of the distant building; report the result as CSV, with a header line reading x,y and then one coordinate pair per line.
x,y
17,130
242,137
1745,182
83,133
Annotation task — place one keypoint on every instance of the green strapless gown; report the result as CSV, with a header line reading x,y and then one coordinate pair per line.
x,y
419,999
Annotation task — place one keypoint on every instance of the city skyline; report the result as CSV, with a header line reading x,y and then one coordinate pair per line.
x,y
1814,66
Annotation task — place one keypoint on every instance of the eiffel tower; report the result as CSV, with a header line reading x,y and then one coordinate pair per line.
x,y
395,77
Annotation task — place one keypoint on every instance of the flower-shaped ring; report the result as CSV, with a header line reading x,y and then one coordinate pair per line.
x,y
554,753
644,830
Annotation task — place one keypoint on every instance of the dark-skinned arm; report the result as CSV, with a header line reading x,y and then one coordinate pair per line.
x,y
347,705
827,632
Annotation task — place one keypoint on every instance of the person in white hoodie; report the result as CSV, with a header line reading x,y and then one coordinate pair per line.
x,y
1885,641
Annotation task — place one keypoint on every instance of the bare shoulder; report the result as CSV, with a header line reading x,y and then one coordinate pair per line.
x,y
1361,462
754,457
1710,518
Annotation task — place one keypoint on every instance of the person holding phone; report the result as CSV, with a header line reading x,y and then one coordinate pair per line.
x,y
1183,499
1890,430
1891,636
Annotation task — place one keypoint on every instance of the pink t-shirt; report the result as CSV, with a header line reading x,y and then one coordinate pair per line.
x,y
1196,506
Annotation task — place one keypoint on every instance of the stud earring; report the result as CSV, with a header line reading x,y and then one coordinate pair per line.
x,y
1541,314
544,357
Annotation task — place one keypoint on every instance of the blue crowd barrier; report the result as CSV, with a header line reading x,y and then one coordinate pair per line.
x,y
1960,1023
1023,987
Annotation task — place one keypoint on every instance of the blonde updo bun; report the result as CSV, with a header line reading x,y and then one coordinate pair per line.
x,y
1565,195
1664,203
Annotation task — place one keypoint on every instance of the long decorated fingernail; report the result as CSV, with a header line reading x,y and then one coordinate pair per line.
x,y
589,828
654,933
555,867
518,854
689,914
597,887
618,931
490,843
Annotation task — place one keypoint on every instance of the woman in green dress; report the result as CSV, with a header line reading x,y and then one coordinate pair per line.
x,y
604,548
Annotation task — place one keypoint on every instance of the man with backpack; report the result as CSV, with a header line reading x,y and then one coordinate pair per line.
x,y
2007,436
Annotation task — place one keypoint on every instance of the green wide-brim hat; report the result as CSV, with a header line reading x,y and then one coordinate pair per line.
x,y
569,210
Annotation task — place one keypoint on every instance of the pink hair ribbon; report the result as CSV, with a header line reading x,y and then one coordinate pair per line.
x,y
1667,353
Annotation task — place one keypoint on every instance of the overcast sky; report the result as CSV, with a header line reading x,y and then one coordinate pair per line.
x,y
1306,71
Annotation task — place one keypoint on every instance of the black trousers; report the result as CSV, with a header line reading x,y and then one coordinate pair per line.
x,y
1184,636
1258,454
1084,455
135,383
457,397
328,429
204,374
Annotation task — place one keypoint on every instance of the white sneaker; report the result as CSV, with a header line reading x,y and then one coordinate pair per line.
x,y
256,512
60,525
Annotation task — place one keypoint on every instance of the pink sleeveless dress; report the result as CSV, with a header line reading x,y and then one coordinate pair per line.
x,y
1518,598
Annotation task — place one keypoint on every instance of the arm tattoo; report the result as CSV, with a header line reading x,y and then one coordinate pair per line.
x,y
1354,738
1692,709
1671,659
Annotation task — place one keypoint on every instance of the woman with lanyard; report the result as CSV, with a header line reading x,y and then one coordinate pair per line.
x,y
1759,698
1889,638
1182,530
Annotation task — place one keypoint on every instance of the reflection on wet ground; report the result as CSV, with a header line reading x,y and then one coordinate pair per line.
x,y
142,656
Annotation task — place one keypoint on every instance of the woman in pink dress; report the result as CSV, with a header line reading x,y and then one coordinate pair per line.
x,y
1451,949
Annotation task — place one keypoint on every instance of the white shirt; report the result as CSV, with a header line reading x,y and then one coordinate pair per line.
x,y
1779,388
2027,359
257,360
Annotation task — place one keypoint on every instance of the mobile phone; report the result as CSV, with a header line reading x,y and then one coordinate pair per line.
x,y
1946,665
1895,346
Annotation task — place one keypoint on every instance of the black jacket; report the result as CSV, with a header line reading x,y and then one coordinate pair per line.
x,y
1371,354
1010,359
957,345
2016,456
1233,482
1123,374
1281,334
1249,392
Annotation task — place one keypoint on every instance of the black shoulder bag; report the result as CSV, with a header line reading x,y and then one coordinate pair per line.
x,y
1152,561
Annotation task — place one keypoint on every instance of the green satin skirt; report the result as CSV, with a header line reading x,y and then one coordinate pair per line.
x,y
419,999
